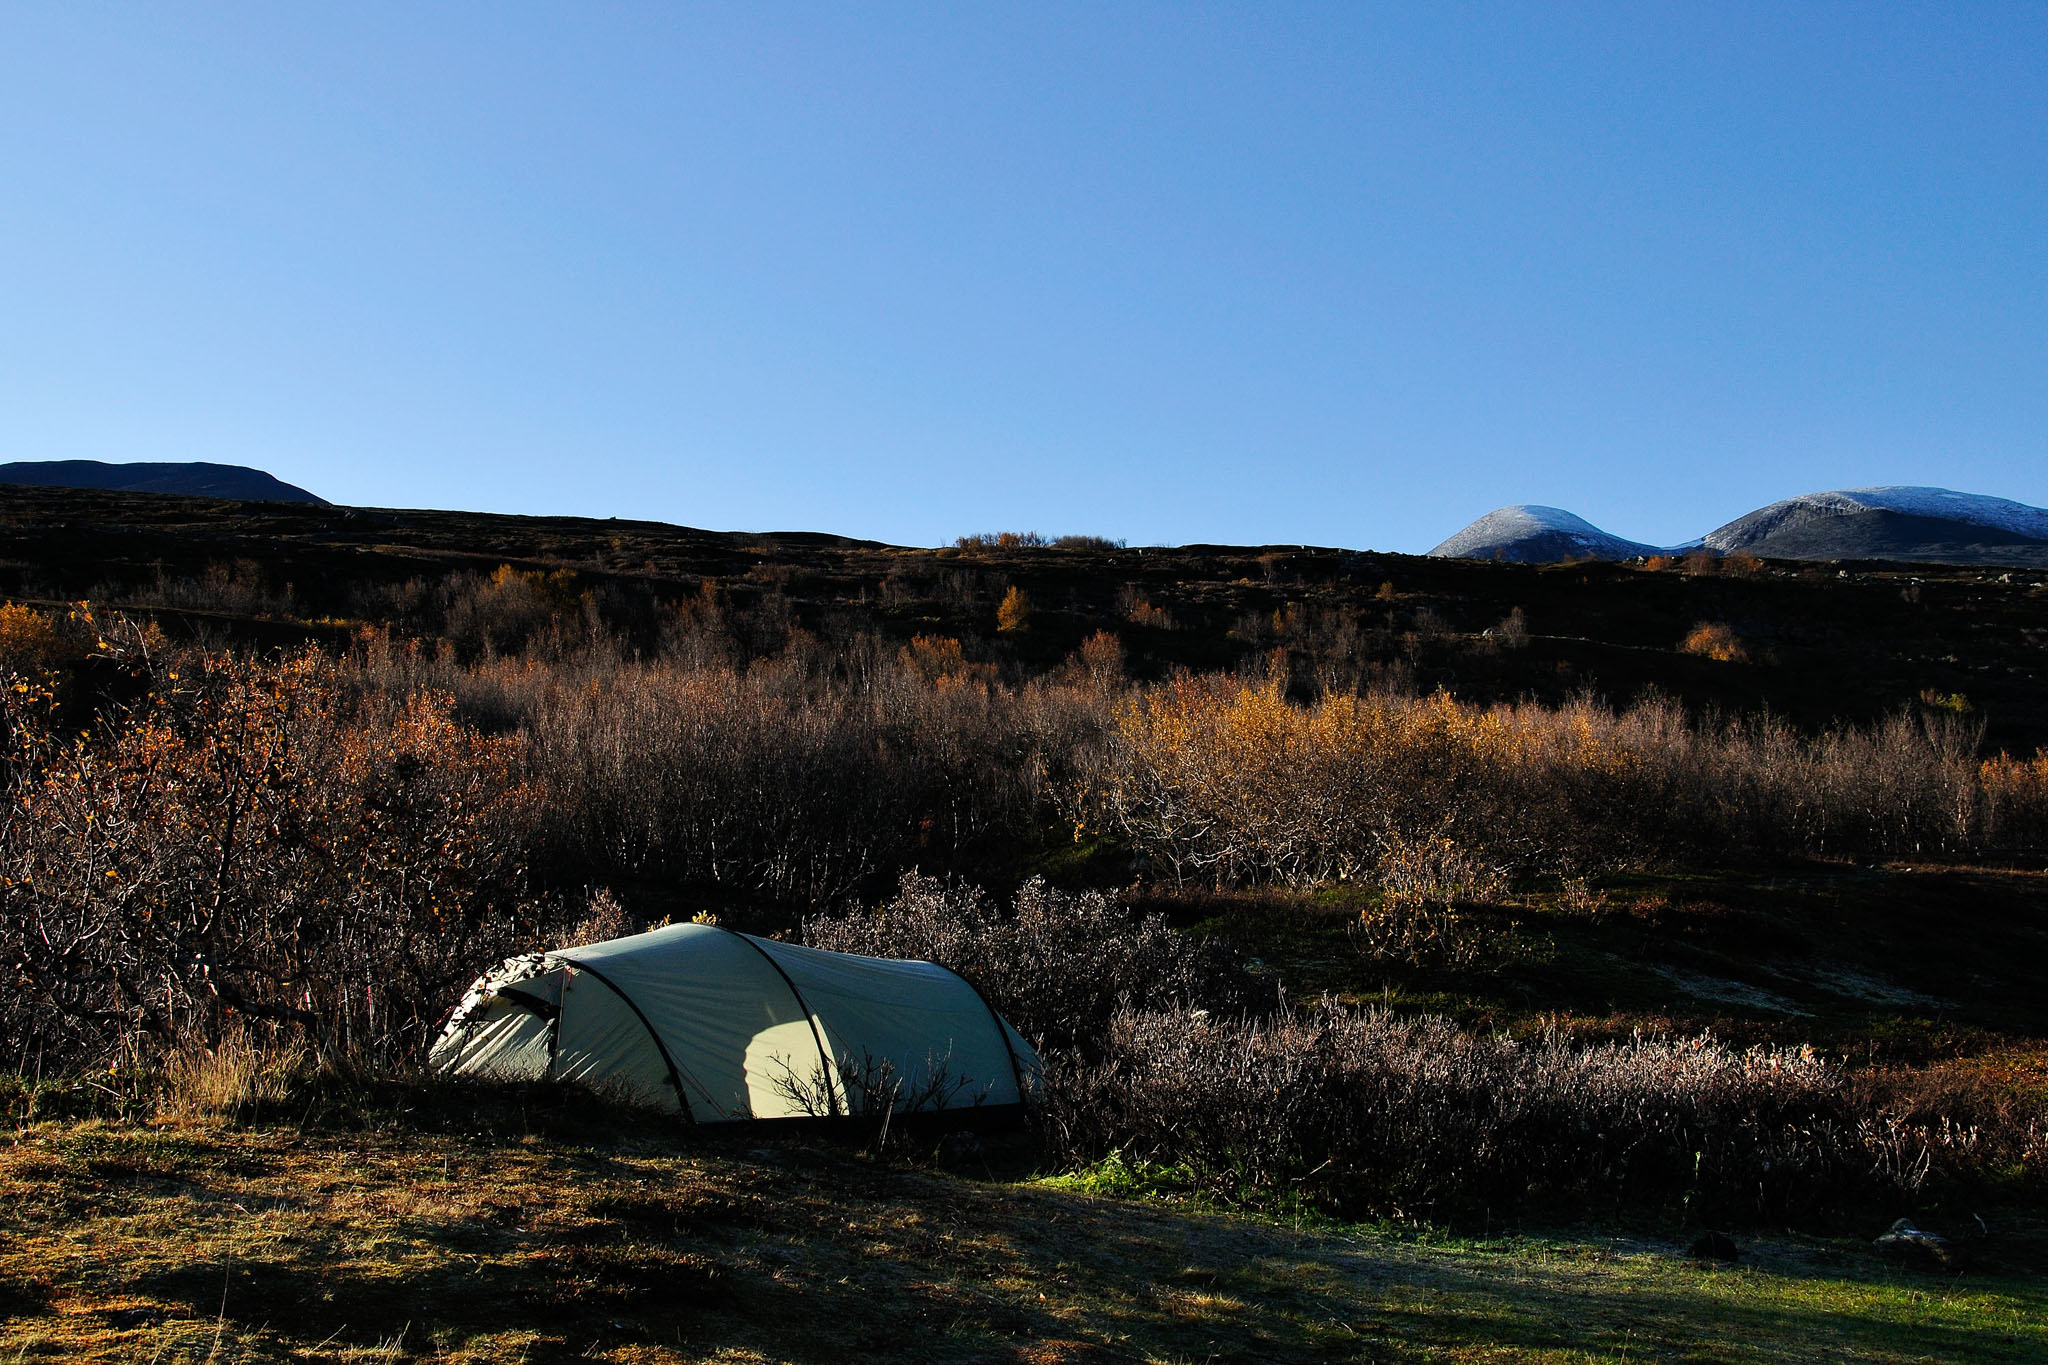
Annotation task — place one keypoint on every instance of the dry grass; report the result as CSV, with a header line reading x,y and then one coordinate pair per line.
x,y
187,1242
231,1079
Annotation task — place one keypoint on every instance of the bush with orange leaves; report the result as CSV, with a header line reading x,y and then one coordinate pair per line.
x,y
29,641
1222,781
82,660
1714,640
250,846
1213,779
2016,801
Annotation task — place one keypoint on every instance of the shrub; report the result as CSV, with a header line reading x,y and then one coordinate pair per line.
x,y
1099,661
241,588
603,919
1421,935
1014,613
1366,1113
30,644
1714,640
713,777
938,658
1229,782
1741,565
1003,540
1142,613
1057,966
79,663
2016,801
254,847
1436,870
776,782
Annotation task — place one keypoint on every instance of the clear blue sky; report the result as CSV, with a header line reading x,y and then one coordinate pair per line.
x,y
1347,274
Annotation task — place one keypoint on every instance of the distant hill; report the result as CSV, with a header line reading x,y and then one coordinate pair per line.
x,y
1900,524
1529,534
1826,645
193,479
1922,525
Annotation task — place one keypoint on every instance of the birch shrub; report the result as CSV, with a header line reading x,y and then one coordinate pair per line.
x,y
1365,1113
256,844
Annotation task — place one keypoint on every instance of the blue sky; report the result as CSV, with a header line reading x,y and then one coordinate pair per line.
x,y
1344,275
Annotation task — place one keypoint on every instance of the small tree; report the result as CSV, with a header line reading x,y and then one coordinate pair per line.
x,y
1716,641
1015,612
1101,659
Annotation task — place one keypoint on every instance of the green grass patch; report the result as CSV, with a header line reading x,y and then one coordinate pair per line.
x,y
262,1244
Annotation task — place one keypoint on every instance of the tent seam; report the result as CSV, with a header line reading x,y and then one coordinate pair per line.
x,y
1002,1030
674,1076
810,1017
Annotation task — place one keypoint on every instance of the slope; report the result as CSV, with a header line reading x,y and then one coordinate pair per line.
x,y
1918,525
1531,534
192,479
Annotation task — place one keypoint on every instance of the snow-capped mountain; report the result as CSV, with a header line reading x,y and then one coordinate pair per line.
x,y
1529,534
1908,524
1936,525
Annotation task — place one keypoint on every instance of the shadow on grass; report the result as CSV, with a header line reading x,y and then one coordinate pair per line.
x,y
426,1213
19,1299
804,1264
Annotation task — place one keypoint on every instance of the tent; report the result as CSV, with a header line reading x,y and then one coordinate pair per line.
x,y
721,1026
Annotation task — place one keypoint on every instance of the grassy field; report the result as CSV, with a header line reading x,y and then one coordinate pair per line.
x,y
476,1229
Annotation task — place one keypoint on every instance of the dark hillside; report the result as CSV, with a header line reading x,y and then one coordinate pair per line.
x,y
190,478
1812,642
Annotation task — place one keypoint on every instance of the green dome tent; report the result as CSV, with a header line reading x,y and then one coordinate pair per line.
x,y
721,1026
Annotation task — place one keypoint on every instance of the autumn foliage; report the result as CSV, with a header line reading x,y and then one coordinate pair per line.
x,y
1014,612
1232,783
1714,640
2015,797
193,841
250,844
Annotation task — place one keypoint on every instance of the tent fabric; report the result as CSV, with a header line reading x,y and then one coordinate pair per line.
x,y
721,1027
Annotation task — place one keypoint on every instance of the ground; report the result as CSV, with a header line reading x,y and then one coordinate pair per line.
x,y
453,1238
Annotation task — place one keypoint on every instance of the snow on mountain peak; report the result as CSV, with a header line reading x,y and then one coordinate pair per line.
x,y
1527,518
1542,533
1976,508
1940,504
1888,522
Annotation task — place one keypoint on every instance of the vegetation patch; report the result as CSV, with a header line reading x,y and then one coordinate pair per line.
x,y
1332,887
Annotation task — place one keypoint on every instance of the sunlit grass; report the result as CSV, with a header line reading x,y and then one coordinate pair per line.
x,y
193,1242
